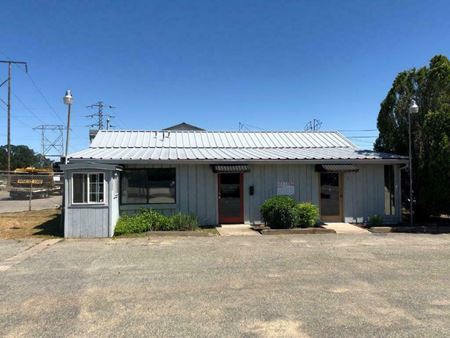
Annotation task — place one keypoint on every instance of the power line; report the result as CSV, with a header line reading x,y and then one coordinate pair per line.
x,y
370,136
18,119
27,108
41,93
45,98
249,127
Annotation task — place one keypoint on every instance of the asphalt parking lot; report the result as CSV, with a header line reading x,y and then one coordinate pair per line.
x,y
10,205
395,285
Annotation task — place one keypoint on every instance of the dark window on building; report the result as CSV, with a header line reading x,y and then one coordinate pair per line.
x,y
389,190
161,185
148,186
134,186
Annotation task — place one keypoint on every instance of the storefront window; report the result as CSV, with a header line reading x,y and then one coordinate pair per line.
x,y
148,186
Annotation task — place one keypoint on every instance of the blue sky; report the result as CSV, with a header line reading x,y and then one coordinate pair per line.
x,y
274,65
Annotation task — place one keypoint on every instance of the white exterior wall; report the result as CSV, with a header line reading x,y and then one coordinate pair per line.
x,y
85,220
114,191
265,177
364,194
363,191
196,193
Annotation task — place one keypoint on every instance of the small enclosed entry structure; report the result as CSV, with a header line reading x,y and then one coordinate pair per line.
x,y
91,199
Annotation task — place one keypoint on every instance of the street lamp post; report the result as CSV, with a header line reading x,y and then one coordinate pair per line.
x,y
413,109
68,101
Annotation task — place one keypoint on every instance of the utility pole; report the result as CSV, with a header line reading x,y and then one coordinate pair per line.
x,y
313,125
100,115
8,137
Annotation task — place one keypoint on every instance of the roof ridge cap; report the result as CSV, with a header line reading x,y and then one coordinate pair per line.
x,y
220,131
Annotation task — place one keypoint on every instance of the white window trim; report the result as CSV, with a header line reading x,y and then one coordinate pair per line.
x,y
88,187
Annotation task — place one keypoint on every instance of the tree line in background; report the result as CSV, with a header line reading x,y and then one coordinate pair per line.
x,y
430,87
22,157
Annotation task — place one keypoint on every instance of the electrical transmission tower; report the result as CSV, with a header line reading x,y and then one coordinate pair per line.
x,y
313,125
52,139
100,115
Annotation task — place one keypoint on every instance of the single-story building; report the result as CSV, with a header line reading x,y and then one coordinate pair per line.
x,y
224,177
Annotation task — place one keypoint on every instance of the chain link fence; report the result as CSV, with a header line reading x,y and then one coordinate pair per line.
x,y
26,190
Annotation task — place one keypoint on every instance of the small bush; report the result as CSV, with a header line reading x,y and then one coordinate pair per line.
x,y
278,212
306,215
181,221
375,221
130,224
145,220
152,220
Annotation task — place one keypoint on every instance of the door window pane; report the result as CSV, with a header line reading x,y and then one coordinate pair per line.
x,y
329,194
389,190
230,196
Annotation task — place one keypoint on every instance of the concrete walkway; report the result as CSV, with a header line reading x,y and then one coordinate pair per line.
x,y
346,228
236,230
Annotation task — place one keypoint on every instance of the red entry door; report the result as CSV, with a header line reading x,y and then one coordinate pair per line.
x,y
231,198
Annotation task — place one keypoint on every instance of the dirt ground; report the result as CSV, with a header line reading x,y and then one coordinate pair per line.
x,y
330,285
26,224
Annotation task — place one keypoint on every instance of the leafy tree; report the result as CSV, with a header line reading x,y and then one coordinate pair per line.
x,y
430,86
21,157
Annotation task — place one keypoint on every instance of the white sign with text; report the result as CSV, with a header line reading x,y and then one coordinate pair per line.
x,y
285,188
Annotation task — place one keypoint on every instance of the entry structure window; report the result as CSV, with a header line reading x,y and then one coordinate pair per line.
x,y
148,186
88,188
389,190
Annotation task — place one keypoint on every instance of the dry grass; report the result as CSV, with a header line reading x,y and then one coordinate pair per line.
x,y
40,223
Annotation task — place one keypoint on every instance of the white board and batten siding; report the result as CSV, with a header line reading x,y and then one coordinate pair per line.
x,y
92,220
364,194
196,191
271,179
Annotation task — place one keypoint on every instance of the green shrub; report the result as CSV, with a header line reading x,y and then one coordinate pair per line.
x,y
306,215
145,220
152,220
130,224
375,220
278,212
181,221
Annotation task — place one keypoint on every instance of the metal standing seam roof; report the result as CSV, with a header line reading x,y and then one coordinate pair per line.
x,y
223,146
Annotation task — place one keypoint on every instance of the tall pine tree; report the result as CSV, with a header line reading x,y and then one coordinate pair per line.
x,y
430,86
